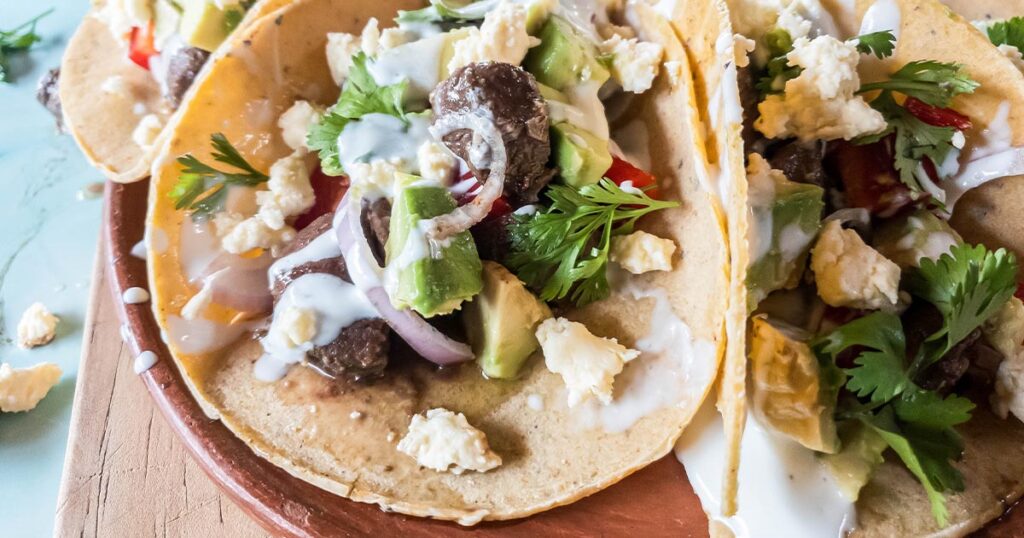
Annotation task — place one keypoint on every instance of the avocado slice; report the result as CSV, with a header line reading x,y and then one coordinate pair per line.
x,y
435,279
918,235
564,58
853,466
785,218
205,26
793,392
501,322
582,158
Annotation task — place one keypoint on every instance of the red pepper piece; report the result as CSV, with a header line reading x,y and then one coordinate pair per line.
x,y
622,171
141,46
328,192
869,176
939,117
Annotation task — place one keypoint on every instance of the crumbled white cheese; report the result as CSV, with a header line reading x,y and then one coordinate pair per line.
x,y
640,252
821,103
587,363
298,326
443,440
675,72
634,62
147,131
340,49
372,41
239,235
36,327
1005,331
501,38
21,389
851,273
793,22
436,163
295,123
742,47
393,37
375,178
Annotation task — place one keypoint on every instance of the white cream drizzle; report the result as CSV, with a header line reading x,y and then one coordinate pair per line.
x,y
384,137
990,155
143,362
198,336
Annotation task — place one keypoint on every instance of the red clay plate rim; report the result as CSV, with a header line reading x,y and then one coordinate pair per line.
x,y
655,501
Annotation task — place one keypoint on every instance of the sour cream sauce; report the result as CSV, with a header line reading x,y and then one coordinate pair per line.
x,y
784,490
384,137
418,62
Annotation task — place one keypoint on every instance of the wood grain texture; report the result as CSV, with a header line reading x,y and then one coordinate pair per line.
x,y
126,473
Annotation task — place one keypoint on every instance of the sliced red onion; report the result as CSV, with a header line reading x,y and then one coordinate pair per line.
x,y
486,138
239,283
423,337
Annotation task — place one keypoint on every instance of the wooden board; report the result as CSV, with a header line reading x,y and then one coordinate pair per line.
x,y
126,473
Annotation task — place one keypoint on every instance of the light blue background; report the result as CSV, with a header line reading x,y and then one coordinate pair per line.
x,y
47,247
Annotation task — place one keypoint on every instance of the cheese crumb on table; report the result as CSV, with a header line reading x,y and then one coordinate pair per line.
x,y
37,326
21,389
443,441
641,252
850,273
587,363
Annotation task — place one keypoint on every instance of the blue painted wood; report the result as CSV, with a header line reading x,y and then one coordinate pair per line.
x,y
47,246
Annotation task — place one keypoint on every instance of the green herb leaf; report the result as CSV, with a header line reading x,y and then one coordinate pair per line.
x,y
927,409
935,83
563,251
448,11
968,285
1008,32
881,372
360,96
202,188
881,44
18,39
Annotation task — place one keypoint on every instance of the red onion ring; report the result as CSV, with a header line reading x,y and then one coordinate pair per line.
x,y
484,131
423,337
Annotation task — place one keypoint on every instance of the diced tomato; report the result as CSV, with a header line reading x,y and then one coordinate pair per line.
x,y
622,171
1020,291
939,117
869,176
142,46
499,208
328,192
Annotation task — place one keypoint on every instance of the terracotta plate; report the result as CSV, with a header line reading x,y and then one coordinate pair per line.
x,y
656,501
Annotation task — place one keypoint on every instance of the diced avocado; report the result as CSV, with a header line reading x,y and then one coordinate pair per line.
x,y
205,26
501,322
853,466
550,94
564,58
793,393
582,158
919,235
432,279
785,218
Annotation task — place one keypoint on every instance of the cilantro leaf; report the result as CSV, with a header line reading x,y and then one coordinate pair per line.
x,y
448,10
880,374
967,285
777,71
361,95
881,44
18,39
935,83
203,188
1008,32
927,455
563,251
914,140
929,410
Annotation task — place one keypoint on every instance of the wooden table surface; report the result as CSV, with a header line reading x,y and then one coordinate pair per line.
x,y
126,474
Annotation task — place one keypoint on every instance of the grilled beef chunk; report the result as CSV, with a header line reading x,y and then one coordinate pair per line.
x,y
801,162
749,97
971,364
361,350
48,95
376,221
182,68
510,96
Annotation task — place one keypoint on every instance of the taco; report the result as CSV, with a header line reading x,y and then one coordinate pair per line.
x,y
130,65
879,392
484,281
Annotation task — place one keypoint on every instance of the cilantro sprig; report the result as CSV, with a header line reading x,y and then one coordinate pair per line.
x,y
360,95
18,39
1008,32
563,251
881,44
967,285
935,83
202,188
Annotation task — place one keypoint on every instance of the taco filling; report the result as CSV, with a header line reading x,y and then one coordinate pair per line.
x,y
876,333
464,200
